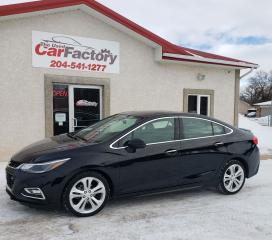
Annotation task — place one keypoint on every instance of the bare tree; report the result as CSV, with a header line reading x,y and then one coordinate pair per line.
x,y
259,88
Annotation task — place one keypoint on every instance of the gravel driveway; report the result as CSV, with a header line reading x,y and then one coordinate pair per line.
x,y
184,215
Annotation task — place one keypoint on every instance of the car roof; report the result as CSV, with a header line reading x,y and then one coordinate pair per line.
x,y
158,114
151,114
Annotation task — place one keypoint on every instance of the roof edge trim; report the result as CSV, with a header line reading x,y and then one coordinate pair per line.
x,y
209,60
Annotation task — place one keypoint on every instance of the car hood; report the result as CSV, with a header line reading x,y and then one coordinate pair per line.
x,y
46,146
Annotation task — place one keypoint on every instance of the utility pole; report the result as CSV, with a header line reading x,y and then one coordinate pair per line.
x,y
271,114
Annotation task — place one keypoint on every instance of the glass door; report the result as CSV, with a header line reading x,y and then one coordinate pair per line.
x,y
85,106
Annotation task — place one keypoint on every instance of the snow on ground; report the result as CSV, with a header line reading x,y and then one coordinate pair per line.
x,y
263,133
264,121
189,215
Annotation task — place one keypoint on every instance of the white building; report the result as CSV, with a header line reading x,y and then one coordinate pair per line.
x,y
66,64
264,108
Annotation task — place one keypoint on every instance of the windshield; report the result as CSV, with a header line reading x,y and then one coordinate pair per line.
x,y
107,128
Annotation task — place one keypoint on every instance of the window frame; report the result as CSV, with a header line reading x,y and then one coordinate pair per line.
x,y
179,129
192,91
176,133
198,104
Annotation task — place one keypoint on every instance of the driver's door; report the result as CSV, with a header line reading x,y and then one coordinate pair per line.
x,y
157,165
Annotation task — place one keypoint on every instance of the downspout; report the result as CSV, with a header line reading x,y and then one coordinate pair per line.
x,y
247,73
237,93
271,115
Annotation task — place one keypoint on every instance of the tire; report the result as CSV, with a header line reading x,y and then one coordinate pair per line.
x,y
86,194
232,178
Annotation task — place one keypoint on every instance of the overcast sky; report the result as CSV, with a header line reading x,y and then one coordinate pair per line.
x,y
236,28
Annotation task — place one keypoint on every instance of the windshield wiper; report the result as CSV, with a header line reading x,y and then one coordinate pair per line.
x,y
74,136
80,138
71,135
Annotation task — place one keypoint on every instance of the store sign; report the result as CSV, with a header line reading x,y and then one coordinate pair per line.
x,y
59,51
60,93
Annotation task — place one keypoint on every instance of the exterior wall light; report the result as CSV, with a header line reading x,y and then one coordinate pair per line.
x,y
201,77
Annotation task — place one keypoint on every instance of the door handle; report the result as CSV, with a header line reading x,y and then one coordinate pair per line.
x,y
219,144
171,151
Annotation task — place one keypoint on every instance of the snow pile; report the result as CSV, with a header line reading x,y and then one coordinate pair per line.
x,y
264,121
264,133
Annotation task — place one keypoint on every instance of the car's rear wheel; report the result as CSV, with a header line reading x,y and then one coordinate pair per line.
x,y
232,177
86,194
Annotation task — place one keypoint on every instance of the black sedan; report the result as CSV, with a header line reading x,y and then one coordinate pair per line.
x,y
132,153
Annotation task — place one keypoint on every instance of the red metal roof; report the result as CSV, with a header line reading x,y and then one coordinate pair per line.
x,y
167,47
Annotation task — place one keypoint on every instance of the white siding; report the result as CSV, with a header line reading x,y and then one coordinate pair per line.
x,y
142,84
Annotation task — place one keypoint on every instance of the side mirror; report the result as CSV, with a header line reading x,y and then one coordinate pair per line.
x,y
135,144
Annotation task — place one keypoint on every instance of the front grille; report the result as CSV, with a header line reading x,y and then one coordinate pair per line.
x,y
10,180
14,164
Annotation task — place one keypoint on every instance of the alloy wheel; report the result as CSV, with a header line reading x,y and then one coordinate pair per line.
x,y
87,195
234,178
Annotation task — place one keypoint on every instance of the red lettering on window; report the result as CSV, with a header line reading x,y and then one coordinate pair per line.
x,y
60,93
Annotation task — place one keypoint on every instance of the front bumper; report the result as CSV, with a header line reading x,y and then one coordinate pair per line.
x,y
23,187
23,199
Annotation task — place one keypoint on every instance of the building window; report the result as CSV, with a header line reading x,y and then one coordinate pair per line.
x,y
198,101
199,104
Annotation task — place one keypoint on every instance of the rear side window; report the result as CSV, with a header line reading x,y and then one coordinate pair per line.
x,y
218,129
196,128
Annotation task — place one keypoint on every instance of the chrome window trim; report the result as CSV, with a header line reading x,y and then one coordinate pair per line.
x,y
208,120
112,147
180,140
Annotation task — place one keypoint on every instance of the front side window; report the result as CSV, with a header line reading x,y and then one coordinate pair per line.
x,y
162,130
107,128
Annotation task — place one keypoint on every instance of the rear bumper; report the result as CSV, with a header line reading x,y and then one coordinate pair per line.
x,y
253,162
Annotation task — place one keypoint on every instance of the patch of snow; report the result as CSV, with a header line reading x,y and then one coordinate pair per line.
x,y
264,121
264,133
192,215
268,103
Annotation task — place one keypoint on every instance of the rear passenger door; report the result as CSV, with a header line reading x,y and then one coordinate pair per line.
x,y
203,149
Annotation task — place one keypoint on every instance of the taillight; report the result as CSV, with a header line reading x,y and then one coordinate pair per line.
x,y
255,140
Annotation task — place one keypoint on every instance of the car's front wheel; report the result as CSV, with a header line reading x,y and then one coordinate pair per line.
x,y
232,177
86,194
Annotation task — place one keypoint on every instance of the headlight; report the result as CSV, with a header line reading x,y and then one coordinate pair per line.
x,y
42,167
